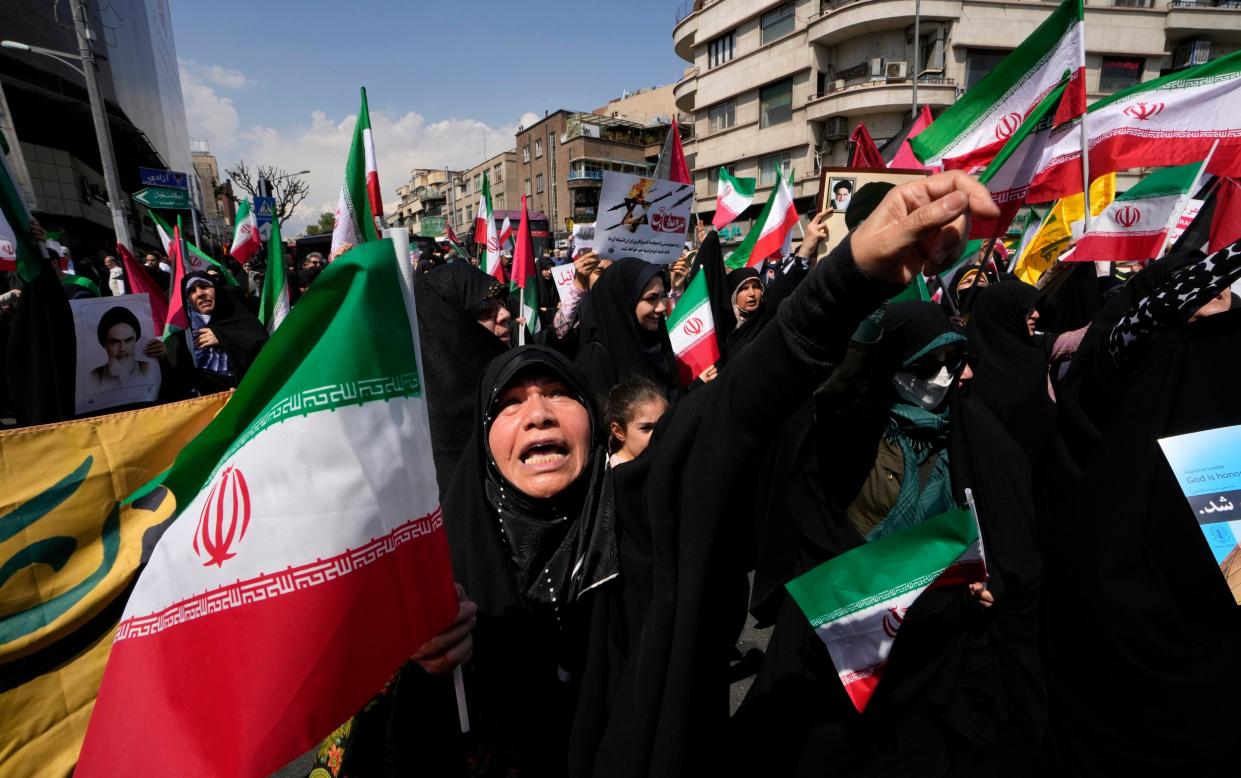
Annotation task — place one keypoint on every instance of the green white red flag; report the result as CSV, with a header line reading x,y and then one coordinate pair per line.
x,y
772,233
523,281
215,667
857,601
18,253
506,232
275,302
195,259
734,195
1135,227
359,211
1173,120
246,239
691,331
454,242
990,113
485,235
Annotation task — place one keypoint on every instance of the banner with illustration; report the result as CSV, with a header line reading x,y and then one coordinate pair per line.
x,y
642,217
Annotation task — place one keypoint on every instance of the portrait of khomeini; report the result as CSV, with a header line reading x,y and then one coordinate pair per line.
x,y
119,335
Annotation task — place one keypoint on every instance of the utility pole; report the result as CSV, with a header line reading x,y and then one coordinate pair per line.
x,y
917,66
103,135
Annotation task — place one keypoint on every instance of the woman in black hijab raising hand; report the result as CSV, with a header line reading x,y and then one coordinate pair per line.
x,y
222,341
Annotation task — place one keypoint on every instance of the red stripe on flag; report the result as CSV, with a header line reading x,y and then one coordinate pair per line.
x,y
245,690
697,358
861,688
1118,247
773,242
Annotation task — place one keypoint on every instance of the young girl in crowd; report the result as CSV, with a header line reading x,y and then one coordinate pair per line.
x,y
633,409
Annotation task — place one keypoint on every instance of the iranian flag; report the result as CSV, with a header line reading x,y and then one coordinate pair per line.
x,y
485,234
275,605
523,282
772,233
195,259
246,240
691,330
506,232
359,211
989,113
1173,120
275,301
857,601
1135,226
733,197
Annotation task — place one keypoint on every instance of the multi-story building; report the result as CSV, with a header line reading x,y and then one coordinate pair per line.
x,y
784,83
646,106
422,207
562,157
214,201
463,196
45,114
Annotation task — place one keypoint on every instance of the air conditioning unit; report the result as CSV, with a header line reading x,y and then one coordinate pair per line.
x,y
836,128
896,71
876,67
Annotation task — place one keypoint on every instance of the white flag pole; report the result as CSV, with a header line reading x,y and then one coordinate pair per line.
x,y
463,711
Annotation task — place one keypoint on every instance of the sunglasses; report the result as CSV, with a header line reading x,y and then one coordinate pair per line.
x,y
925,370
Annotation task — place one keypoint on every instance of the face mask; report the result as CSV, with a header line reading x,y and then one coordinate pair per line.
x,y
926,394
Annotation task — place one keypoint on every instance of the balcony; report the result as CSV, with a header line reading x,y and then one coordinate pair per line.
x,y
848,19
685,90
880,97
1215,20
584,178
684,29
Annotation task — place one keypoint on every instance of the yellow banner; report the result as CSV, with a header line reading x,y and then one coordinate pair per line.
x,y
1056,233
68,553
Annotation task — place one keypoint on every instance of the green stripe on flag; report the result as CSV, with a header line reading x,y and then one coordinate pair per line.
x,y
16,220
1163,182
883,569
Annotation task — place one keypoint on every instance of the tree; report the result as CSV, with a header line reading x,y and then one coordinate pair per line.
x,y
288,190
325,225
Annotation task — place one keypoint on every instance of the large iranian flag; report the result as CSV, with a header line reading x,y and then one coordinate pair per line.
x,y
857,601
772,233
691,330
990,112
275,302
485,234
1135,226
276,605
733,197
246,240
1173,120
359,211
195,258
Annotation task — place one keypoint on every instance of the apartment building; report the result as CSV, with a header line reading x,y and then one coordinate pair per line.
x,y
655,105
784,83
422,204
562,157
463,196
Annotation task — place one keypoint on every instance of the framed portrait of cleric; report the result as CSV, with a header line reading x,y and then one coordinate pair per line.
x,y
839,185
111,368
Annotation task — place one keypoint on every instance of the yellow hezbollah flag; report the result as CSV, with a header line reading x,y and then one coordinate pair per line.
x,y
1054,237
69,550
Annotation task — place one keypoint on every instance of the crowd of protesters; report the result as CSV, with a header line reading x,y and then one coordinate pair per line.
x,y
611,526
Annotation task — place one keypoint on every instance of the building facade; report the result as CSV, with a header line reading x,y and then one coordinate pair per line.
x,y
562,157
215,200
784,83
466,187
655,105
423,200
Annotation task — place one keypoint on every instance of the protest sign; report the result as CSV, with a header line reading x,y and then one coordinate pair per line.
x,y
642,217
112,369
837,185
583,237
1207,466
563,276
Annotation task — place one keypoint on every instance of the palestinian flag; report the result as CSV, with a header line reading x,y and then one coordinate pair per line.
x,y
523,282
1173,120
1135,227
359,211
772,233
865,153
454,243
857,601
246,240
178,319
733,197
275,303
485,234
905,159
671,165
691,330
1008,175
140,282
275,606
990,113
195,259
1226,221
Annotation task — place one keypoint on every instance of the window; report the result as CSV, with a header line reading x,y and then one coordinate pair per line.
x,y
469,214
721,49
527,187
525,153
980,62
538,183
776,103
478,182
497,174
538,149
713,180
777,23
1119,73
768,165
722,116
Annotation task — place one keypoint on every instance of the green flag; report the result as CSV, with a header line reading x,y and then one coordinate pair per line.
x,y
274,305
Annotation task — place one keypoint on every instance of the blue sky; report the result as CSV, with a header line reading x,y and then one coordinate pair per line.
x,y
278,83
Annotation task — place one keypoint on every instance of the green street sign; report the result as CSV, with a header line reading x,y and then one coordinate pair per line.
x,y
161,197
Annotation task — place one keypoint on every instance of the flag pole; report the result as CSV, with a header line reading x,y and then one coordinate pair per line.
x,y
463,711
1184,200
